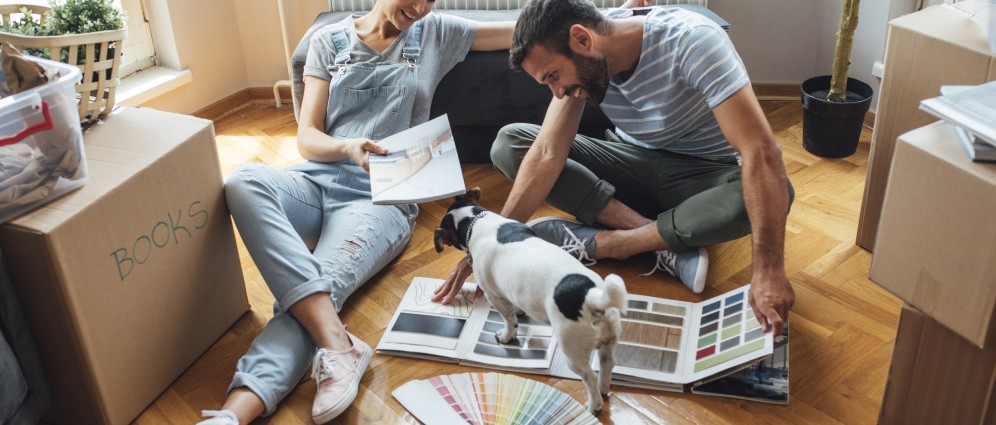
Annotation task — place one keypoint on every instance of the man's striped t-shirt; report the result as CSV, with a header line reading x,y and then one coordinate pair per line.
x,y
687,67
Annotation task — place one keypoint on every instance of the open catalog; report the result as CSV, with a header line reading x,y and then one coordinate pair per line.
x,y
665,344
421,165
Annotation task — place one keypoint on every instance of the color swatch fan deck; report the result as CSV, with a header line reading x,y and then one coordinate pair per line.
x,y
489,398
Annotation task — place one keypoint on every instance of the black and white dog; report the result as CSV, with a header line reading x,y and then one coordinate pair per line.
x,y
519,271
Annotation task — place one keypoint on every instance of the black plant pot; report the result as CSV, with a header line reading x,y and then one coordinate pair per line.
x,y
832,129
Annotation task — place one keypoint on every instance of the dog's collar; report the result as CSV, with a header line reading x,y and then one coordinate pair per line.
x,y
470,229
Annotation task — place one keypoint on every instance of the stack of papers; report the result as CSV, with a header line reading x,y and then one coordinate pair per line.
x,y
971,110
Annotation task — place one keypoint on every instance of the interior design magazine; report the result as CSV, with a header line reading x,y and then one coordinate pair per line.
x,y
421,165
665,344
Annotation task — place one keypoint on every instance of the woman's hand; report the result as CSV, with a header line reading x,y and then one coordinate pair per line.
x,y
359,150
446,292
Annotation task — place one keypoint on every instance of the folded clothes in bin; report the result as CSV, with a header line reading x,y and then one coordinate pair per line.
x,y
41,143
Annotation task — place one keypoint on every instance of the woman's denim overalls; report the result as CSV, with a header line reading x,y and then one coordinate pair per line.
x,y
282,215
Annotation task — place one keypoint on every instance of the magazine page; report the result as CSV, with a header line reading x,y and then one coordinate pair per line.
x,y
724,334
766,380
421,165
426,329
532,351
653,343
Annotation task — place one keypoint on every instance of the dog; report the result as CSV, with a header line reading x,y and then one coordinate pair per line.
x,y
518,271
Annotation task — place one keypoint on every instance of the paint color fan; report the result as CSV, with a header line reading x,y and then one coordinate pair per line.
x,y
489,398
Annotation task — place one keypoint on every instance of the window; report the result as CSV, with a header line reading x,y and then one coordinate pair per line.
x,y
138,51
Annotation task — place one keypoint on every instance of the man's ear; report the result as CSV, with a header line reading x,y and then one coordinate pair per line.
x,y
581,40
444,236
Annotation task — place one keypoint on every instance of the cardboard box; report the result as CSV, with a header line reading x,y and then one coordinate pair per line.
x,y
937,242
937,46
936,377
129,279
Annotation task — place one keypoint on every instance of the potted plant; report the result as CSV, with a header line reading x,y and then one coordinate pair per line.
x,y
86,33
834,106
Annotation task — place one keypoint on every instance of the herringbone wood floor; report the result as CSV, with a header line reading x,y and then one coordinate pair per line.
x,y
842,326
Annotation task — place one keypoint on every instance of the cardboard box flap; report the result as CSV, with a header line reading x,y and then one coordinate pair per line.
x,y
951,23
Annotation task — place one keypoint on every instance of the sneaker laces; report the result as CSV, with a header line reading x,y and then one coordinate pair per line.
x,y
576,246
322,367
666,261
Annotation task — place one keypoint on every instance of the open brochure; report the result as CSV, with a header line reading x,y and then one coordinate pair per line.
x,y
971,108
421,165
665,344
766,380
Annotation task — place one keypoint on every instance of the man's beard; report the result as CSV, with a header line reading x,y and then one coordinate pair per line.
x,y
594,76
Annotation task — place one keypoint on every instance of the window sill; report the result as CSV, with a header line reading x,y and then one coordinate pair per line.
x,y
149,84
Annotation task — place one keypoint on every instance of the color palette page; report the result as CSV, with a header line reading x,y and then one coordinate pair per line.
x,y
531,350
489,398
427,329
725,334
653,343
665,343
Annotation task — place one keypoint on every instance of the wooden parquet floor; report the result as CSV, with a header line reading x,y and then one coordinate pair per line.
x,y
842,326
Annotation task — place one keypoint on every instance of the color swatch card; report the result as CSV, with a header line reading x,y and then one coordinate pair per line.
x,y
489,398
674,342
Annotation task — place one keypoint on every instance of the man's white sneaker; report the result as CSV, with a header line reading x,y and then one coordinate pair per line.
x,y
689,266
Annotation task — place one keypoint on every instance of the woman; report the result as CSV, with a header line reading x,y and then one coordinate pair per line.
x,y
312,229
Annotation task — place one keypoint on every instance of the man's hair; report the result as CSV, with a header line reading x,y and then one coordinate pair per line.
x,y
548,23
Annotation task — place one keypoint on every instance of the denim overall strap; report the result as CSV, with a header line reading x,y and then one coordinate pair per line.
x,y
413,45
341,43
374,99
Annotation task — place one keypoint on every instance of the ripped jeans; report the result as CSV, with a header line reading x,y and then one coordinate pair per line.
x,y
311,228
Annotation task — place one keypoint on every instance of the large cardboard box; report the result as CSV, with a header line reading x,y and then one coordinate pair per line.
x,y
127,280
936,46
936,377
937,241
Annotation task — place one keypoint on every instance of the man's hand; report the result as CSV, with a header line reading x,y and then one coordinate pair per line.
x,y
360,149
454,282
771,297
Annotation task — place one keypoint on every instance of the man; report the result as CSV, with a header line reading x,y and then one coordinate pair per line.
x,y
686,118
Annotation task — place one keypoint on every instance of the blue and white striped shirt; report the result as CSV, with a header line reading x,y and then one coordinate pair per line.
x,y
687,67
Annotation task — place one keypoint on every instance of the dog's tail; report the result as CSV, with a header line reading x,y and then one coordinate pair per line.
x,y
614,294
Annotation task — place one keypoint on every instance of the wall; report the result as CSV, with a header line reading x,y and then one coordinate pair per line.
x,y
208,42
775,38
259,28
788,41
780,41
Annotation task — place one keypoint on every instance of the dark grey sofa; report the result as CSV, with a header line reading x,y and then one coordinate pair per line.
x,y
481,94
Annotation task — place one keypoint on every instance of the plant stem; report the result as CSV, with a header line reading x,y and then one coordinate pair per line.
x,y
842,51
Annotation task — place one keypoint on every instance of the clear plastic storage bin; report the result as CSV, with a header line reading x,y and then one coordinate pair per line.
x,y
41,143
